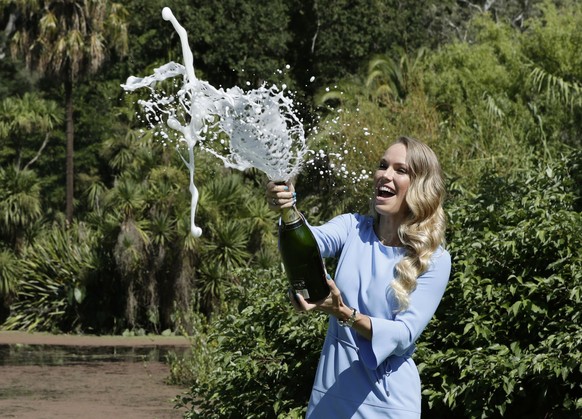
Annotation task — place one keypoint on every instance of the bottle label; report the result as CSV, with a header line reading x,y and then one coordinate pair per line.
x,y
301,288
304,293
290,216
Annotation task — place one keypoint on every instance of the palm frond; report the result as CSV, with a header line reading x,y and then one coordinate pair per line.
x,y
128,196
10,273
220,195
554,87
20,203
492,108
162,228
227,245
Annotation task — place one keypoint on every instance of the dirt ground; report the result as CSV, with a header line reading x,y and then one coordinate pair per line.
x,y
36,385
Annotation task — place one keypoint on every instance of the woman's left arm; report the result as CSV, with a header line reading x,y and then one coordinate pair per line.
x,y
378,338
334,306
395,337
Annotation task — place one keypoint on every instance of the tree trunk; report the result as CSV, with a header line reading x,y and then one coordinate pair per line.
x,y
70,148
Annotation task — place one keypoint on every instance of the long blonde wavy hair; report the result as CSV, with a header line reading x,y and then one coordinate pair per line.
x,y
423,231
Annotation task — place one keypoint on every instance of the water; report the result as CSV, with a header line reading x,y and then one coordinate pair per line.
x,y
74,355
255,128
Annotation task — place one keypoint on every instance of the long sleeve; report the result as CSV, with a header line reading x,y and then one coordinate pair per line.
x,y
397,336
332,235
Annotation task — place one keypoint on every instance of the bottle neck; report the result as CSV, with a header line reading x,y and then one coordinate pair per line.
x,y
290,215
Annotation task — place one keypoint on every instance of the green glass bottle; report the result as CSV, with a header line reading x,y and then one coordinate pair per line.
x,y
301,257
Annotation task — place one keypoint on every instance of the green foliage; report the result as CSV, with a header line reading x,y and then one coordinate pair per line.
x,y
242,38
68,40
14,80
500,106
552,46
155,264
20,205
507,338
9,274
56,269
502,94
345,34
264,354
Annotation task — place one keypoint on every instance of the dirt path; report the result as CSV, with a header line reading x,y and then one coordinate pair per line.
x,y
74,385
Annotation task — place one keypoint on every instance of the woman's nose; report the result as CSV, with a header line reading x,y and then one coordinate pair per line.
x,y
388,173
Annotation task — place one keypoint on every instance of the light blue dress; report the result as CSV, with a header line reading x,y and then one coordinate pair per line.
x,y
357,378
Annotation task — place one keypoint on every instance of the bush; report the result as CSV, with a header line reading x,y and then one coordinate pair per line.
x,y
264,355
56,270
507,338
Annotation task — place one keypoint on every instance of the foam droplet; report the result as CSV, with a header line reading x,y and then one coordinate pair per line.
x,y
167,13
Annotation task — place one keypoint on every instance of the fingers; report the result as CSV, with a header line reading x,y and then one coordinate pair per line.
x,y
280,195
280,187
335,292
298,302
328,305
335,298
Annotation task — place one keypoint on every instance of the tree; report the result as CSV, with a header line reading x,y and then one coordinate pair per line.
x,y
10,273
240,41
24,122
66,40
343,34
20,205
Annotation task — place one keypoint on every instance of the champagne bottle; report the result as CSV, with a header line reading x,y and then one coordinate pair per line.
x,y
301,257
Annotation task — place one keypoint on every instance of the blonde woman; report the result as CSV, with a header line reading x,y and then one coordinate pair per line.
x,y
391,275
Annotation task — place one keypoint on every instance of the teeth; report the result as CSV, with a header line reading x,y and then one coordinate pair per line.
x,y
384,188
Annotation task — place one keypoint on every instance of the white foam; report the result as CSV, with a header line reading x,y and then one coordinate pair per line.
x,y
261,126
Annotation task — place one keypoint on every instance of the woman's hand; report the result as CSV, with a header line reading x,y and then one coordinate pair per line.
x,y
332,304
280,196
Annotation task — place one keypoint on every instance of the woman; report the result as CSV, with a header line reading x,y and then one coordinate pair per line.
x,y
391,275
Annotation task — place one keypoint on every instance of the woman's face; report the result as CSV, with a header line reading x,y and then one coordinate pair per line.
x,y
391,181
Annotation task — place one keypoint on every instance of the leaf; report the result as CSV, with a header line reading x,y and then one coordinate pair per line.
x,y
79,295
515,307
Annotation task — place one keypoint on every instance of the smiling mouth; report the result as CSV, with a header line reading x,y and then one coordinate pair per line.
x,y
385,192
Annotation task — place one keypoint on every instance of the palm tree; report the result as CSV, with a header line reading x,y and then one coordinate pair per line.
x,y
10,273
20,204
386,80
21,119
263,239
65,40
57,268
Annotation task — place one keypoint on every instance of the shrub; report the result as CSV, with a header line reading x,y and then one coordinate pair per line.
x,y
264,355
56,269
507,338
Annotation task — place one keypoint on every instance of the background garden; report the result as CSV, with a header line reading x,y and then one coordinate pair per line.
x,y
94,208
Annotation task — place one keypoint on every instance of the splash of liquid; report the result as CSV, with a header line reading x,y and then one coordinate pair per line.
x,y
257,128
